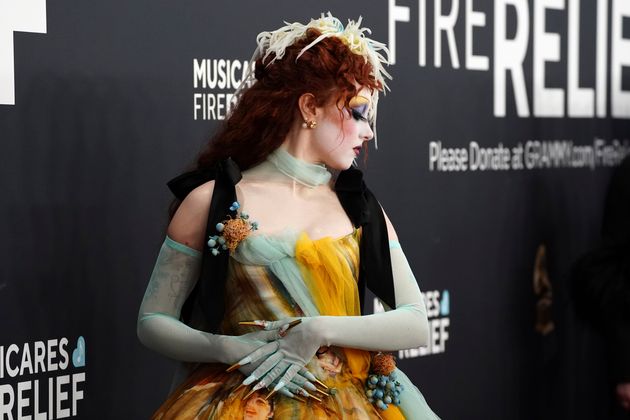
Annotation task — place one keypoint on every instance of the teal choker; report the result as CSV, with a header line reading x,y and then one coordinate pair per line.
x,y
309,174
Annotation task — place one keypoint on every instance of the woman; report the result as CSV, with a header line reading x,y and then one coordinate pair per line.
x,y
270,288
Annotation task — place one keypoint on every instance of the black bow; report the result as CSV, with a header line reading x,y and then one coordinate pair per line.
x,y
357,200
183,184
207,298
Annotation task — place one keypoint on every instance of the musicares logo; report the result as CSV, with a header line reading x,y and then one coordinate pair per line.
x,y
16,16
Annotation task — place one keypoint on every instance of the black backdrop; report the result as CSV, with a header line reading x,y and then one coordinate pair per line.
x,y
105,112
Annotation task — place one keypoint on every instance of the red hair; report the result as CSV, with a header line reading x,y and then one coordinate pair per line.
x,y
265,112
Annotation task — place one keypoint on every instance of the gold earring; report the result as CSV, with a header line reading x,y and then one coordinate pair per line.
x,y
309,124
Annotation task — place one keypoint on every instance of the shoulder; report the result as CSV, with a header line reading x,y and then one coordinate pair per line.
x,y
188,225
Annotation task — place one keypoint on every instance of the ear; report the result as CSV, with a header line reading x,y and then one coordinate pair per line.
x,y
308,106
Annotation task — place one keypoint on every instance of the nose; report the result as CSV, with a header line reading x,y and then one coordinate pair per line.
x,y
367,133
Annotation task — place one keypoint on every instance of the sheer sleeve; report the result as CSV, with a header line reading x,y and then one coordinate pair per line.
x,y
159,328
173,278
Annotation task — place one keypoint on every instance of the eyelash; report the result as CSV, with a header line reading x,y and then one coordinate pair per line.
x,y
357,115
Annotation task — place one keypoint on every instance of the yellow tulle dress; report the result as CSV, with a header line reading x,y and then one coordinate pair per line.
x,y
329,269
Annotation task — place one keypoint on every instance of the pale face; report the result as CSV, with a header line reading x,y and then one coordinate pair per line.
x,y
339,136
257,408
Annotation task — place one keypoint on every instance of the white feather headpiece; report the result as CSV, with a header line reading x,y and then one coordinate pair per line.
x,y
353,36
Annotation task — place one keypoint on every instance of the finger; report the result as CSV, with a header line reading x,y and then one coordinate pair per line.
x,y
291,386
256,387
290,394
265,367
278,386
285,381
264,335
286,327
303,382
296,389
286,392
308,375
274,373
256,323
289,374
299,379
271,325
266,325
274,325
259,353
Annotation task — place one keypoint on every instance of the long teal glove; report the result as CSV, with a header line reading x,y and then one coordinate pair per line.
x,y
402,328
159,328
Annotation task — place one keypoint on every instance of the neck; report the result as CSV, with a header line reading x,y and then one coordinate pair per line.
x,y
298,142
299,150
301,171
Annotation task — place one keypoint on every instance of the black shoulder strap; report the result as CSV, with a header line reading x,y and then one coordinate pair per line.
x,y
207,298
360,204
363,209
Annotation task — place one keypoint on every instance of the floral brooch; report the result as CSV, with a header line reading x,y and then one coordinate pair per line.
x,y
381,386
231,231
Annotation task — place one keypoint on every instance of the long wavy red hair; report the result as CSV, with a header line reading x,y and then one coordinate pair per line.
x,y
266,111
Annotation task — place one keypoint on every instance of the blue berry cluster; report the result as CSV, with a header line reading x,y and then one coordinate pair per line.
x,y
216,243
383,390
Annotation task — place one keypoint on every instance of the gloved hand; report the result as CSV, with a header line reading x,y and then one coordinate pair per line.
x,y
159,328
402,328
279,361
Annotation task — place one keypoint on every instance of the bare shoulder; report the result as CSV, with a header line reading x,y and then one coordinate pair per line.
x,y
188,225
391,232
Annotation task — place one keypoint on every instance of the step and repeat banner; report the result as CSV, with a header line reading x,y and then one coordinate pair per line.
x,y
496,145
